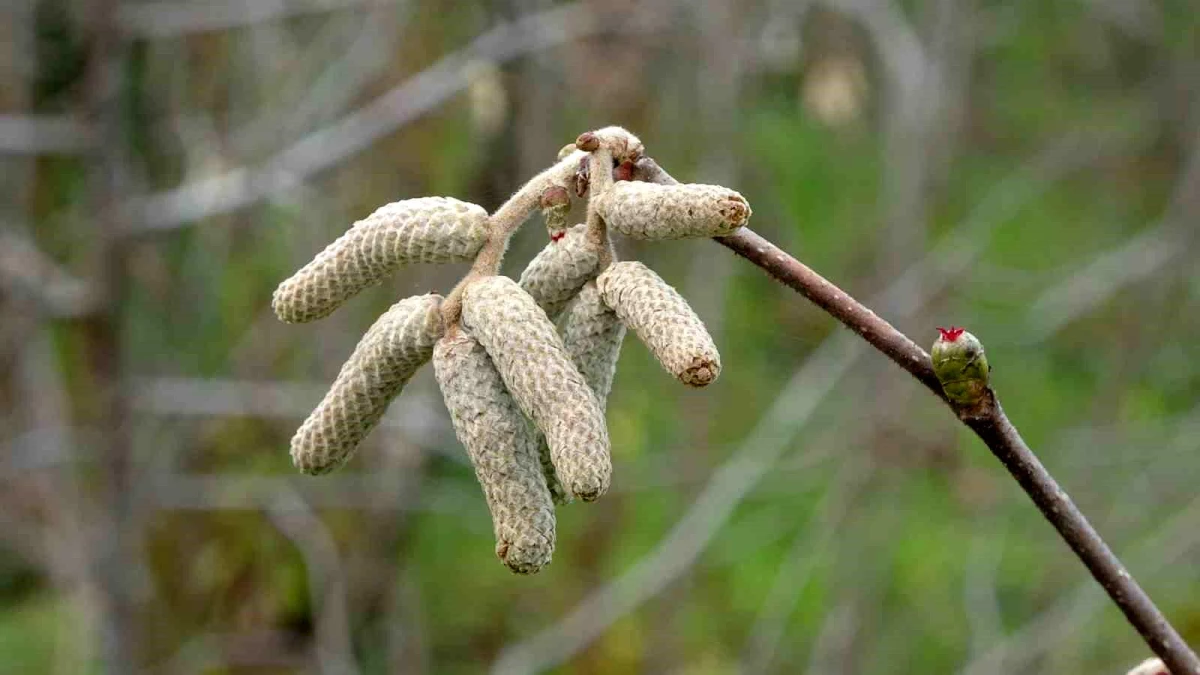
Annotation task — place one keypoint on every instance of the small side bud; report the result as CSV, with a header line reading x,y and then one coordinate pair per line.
x,y
556,210
663,320
553,196
566,150
587,141
394,348
503,447
961,366
625,147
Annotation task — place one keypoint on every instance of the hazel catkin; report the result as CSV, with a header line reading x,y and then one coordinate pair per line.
x,y
503,447
424,230
651,211
531,359
560,269
663,320
394,348
592,335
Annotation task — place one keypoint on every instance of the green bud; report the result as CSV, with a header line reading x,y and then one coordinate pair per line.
x,y
960,365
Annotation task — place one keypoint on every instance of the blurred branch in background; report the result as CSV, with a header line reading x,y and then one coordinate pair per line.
x,y
1131,262
142,377
326,580
320,150
1175,541
26,272
174,19
38,135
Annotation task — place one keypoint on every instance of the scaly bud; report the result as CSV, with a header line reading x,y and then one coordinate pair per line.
x,y
555,203
650,211
503,447
663,320
532,361
960,365
394,348
424,230
560,270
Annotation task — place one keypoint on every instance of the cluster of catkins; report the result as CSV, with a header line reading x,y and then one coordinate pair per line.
x,y
526,396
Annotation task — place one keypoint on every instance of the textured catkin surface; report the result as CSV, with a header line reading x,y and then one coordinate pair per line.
x,y
560,269
650,211
592,334
663,320
425,230
532,361
398,344
502,444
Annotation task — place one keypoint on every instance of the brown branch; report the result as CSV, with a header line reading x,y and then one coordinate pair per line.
x,y
987,420
992,426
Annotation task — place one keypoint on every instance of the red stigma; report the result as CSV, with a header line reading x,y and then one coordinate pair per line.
x,y
557,235
950,334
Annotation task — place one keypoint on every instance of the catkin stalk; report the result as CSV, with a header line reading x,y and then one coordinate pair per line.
x,y
424,230
502,445
650,211
663,320
532,361
394,348
560,269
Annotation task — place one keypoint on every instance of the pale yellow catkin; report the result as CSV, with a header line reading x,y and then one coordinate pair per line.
x,y
663,320
560,269
424,230
592,335
532,361
503,446
657,212
394,348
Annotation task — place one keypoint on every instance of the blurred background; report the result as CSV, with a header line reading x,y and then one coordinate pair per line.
x,y
1028,169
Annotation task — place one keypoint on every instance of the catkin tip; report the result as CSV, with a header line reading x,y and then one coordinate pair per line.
x,y
701,373
589,493
735,210
520,560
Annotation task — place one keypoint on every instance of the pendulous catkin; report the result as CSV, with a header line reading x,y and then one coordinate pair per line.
x,y
560,269
424,230
663,320
650,211
398,344
503,446
531,359
592,335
